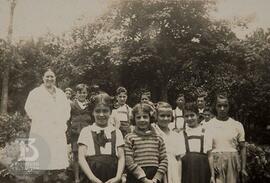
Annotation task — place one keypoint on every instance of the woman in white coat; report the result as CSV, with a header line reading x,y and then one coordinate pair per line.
x,y
49,110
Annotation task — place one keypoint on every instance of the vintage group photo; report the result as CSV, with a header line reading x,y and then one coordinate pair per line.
x,y
134,91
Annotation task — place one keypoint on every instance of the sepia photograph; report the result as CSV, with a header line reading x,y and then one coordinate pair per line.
x,y
134,91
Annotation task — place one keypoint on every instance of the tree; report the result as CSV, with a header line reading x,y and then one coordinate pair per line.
x,y
162,41
5,76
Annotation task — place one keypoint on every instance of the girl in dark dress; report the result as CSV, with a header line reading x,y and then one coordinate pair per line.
x,y
197,163
101,146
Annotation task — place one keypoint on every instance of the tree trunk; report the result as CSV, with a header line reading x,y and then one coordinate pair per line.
x,y
5,81
4,96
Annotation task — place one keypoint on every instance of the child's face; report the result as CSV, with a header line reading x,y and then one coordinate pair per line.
x,y
180,102
101,114
222,108
164,117
201,102
68,94
191,118
142,120
144,99
82,94
122,98
207,115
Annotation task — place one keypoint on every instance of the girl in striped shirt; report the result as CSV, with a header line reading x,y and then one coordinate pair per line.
x,y
145,153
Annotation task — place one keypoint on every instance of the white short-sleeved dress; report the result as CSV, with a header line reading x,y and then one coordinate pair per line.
x,y
172,142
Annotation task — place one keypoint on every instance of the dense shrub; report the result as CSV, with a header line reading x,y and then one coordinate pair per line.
x,y
258,163
11,127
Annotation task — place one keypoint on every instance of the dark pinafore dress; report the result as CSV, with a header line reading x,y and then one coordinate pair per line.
x,y
195,165
103,166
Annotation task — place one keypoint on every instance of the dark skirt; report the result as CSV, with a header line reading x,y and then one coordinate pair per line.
x,y
104,167
150,172
195,168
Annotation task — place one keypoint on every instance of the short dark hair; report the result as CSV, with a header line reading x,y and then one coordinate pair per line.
x,y
146,93
207,108
121,89
81,86
94,88
180,95
48,69
201,96
102,98
222,95
191,106
68,89
144,107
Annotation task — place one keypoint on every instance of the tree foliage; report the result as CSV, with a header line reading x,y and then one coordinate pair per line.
x,y
164,46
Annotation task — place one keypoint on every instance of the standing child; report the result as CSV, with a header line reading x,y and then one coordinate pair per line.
x,y
229,141
207,115
171,139
101,146
201,105
197,163
68,92
146,98
80,118
178,123
121,116
145,152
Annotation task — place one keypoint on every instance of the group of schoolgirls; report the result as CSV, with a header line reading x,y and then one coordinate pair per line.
x,y
146,143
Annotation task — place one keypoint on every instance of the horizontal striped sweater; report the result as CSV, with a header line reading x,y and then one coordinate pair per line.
x,y
144,150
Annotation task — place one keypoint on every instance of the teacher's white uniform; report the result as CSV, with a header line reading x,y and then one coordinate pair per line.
x,y
49,115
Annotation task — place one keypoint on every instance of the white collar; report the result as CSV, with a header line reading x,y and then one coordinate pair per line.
x,y
178,111
97,128
81,104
